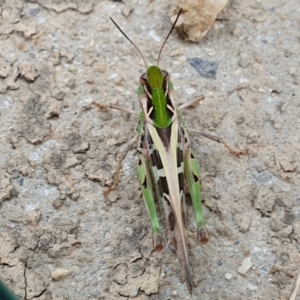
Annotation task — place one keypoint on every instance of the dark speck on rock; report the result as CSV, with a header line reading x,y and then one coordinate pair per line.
x,y
34,12
220,263
261,178
205,68
21,181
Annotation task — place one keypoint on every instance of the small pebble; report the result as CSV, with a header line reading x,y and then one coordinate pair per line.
x,y
134,292
57,203
153,34
244,62
228,276
237,72
181,58
68,55
90,80
292,71
71,83
57,93
176,52
258,58
75,196
87,49
239,120
55,59
118,80
245,266
72,69
101,69
126,11
283,16
89,61
236,31
284,106
60,273
277,126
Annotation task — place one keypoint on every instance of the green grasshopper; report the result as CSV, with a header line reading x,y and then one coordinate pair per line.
x,y
165,160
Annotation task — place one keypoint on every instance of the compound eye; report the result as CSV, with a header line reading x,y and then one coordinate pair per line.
x,y
166,75
143,79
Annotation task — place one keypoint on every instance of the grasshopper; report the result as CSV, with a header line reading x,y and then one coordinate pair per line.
x,y
165,160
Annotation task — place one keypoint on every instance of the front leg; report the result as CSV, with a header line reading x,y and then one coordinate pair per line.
x,y
116,107
194,102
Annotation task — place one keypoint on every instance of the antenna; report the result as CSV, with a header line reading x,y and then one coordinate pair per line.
x,y
132,41
168,36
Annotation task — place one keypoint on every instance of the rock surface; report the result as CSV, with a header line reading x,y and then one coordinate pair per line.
x,y
59,151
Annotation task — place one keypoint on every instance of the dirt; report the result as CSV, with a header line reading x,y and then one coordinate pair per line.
x,y
60,237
